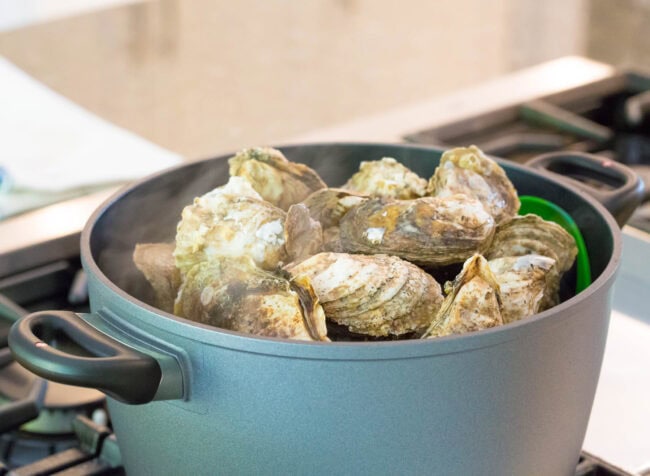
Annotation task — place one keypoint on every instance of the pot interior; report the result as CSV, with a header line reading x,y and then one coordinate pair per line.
x,y
149,211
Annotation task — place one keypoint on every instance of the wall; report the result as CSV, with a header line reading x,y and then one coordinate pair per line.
x,y
203,76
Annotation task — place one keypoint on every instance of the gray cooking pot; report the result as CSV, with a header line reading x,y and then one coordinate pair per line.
x,y
186,398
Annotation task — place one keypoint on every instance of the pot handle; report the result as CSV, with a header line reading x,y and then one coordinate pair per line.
x,y
87,357
613,184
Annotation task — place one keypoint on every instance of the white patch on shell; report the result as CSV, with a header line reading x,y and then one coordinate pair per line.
x,y
345,271
374,235
350,201
269,234
526,262
236,186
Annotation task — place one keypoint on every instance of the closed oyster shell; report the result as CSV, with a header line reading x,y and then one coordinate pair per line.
x,y
302,234
386,178
327,207
469,171
523,281
530,234
231,220
232,293
275,178
473,302
429,231
375,295
156,262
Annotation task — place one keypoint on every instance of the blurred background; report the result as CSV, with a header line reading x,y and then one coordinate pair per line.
x,y
201,76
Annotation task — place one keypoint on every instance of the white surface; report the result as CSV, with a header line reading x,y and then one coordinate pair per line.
x,y
619,427
51,145
21,13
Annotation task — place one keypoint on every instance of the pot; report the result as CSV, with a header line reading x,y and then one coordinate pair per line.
x,y
186,398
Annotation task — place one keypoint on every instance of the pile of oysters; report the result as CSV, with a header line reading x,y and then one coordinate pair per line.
x,y
275,252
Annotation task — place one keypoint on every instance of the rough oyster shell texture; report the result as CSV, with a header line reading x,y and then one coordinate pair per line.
x,y
327,207
524,281
279,181
303,235
468,171
473,302
386,178
530,234
234,294
231,220
429,231
376,295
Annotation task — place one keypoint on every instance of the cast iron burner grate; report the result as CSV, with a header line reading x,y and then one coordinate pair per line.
x,y
95,454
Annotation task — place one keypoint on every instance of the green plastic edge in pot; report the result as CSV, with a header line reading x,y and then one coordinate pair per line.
x,y
551,212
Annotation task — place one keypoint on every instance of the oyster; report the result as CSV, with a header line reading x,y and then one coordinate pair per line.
x,y
530,234
303,235
327,207
470,172
429,231
523,281
156,262
375,295
386,178
473,302
232,220
232,293
275,178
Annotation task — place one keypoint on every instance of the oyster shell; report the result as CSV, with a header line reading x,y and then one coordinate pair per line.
x,y
386,178
232,293
156,262
327,207
469,171
523,281
376,295
530,234
429,231
303,235
275,178
231,220
472,303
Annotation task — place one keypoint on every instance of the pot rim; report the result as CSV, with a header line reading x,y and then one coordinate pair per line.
x,y
412,348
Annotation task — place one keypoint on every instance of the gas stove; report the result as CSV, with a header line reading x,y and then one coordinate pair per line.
x,y
39,269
